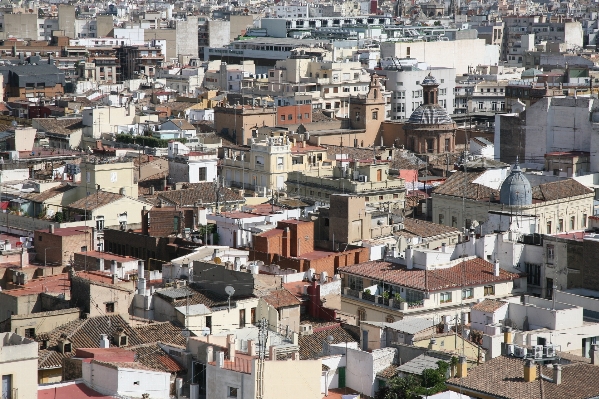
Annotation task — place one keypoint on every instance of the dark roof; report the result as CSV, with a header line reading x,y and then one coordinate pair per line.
x,y
178,297
201,192
311,346
61,126
154,357
85,333
50,193
469,273
559,189
20,75
504,377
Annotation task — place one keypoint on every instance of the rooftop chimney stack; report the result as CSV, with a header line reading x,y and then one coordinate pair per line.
x,y
409,260
557,374
462,367
595,355
51,229
220,359
231,346
104,343
113,267
530,371
496,268
209,354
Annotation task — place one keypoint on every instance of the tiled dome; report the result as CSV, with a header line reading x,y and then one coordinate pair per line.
x,y
430,114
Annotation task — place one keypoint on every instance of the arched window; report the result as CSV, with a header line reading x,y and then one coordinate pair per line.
x,y
431,97
389,319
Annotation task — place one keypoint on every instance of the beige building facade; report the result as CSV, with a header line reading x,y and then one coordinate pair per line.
x,y
18,366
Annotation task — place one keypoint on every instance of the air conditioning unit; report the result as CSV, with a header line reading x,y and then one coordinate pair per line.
x,y
519,351
538,354
549,350
510,350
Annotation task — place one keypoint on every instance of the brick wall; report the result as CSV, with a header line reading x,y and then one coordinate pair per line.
x,y
60,249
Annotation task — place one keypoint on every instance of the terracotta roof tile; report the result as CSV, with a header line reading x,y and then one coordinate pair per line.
x,y
95,200
465,274
201,192
489,305
425,229
281,298
311,345
62,126
503,377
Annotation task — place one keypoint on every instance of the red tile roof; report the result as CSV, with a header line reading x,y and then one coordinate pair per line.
x,y
52,284
465,274
71,390
489,305
281,298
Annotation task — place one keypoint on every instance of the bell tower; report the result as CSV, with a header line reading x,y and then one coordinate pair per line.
x,y
368,111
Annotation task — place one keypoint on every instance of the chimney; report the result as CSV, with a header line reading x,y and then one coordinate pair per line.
x,y
231,346
24,257
209,354
462,367
409,261
115,279
595,355
51,229
557,374
220,359
251,347
443,247
140,269
272,353
507,335
496,268
530,371
113,267
104,343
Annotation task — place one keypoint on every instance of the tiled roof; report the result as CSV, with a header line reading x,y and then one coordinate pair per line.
x,y
460,184
154,357
465,274
281,298
165,332
95,200
489,305
425,229
201,192
82,334
70,389
50,193
388,372
559,189
178,297
503,377
125,365
311,345
62,126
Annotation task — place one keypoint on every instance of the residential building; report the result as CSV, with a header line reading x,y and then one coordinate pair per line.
x,y
426,283
58,245
61,132
18,362
211,195
102,261
237,121
366,178
186,166
495,190
291,245
403,80
264,166
37,81
418,233
102,293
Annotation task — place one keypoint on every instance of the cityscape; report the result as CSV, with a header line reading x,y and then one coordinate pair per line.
x,y
337,199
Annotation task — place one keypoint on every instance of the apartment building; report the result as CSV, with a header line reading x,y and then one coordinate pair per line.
x,y
403,81
365,178
18,366
265,164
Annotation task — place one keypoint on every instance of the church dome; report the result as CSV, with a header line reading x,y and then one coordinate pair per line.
x,y
430,114
515,189
429,80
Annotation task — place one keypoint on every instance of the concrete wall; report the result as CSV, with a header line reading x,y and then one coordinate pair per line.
x,y
66,20
43,321
363,366
299,379
462,53
218,382
127,382
18,358
187,37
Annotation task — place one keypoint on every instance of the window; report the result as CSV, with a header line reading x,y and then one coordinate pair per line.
x,y
489,290
253,315
361,315
467,293
30,333
445,297
355,283
441,218
67,348
307,116
100,223
550,253
232,392
548,228
260,160
454,221
110,307
584,220
560,225
447,142
241,318
375,115
84,248
533,272
39,238
572,223
289,117
282,117
202,174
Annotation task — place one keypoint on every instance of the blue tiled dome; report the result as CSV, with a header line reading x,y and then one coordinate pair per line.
x,y
515,189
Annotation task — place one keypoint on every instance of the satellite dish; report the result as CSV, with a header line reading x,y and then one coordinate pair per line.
x,y
217,260
14,123
186,333
229,290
